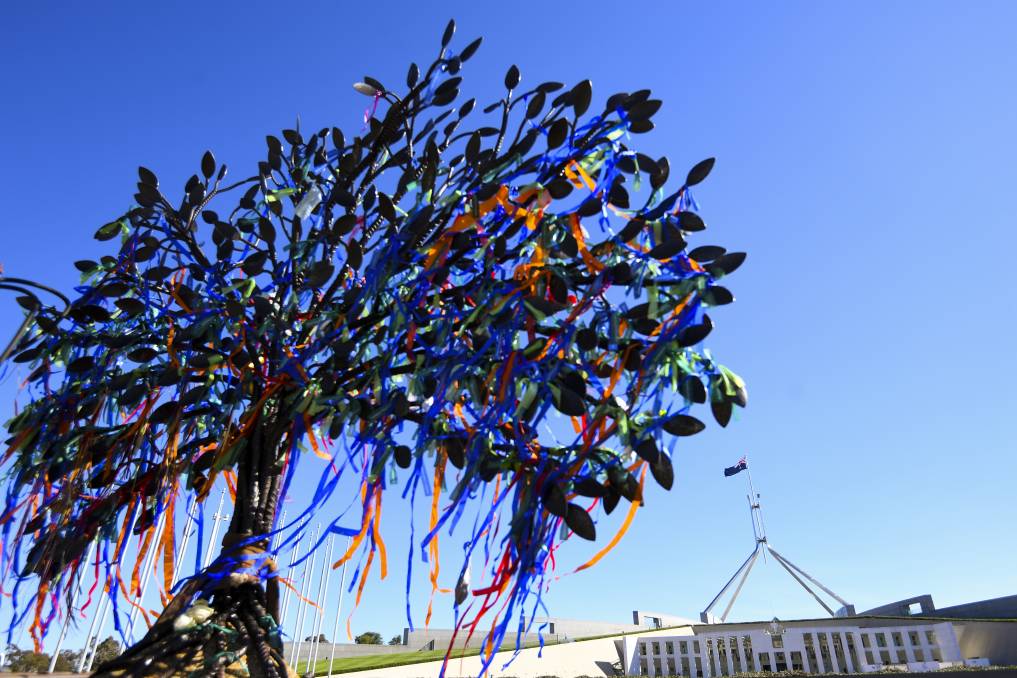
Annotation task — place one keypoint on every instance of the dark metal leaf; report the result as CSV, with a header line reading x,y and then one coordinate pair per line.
x,y
403,456
569,402
663,471
587,339
455,449
130,306
142,355
692,389
535,105
557,133
587,486
554,500
580,522
707,253
512,77
611,501
727,263
690,221
470,49
165,412
147,176
647,449
721,412
581,95
717,296
82,364
699,172
208,164
693,334
450,30
683,425
319,274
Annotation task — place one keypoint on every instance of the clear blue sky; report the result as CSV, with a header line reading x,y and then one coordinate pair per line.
x,y
866,161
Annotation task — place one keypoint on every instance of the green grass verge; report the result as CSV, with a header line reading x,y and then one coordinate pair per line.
x,y
381,661
386,661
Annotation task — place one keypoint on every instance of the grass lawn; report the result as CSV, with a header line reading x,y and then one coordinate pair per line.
x,y
381,661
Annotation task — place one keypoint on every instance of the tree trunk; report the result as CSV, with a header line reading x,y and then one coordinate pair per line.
x,y
237,633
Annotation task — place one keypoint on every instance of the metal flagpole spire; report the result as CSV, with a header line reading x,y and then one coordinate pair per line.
x,y
319,614
304,589
70,606
762,546
294,554
92,644
338,609
190,526
216,517
159,527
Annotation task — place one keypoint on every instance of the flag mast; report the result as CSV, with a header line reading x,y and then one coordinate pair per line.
x,y
762,546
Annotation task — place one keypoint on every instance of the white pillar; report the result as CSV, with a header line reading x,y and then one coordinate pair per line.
x,y
820,662
851,668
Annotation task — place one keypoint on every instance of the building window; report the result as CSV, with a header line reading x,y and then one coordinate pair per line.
x,y
656,648
852,652
838,652
764,661
777,641
736,659
810,653
865,641
902,657
880,640
824,651
685,666
550,628
780,660
656,668
750,665
641,649
898,639
695,646
919,654
642,668
868,657
699,667
937,656
930,636
884,656
796,662
670,668
684,647
669,647
914,639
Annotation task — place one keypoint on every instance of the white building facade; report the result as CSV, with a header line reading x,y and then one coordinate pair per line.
x,y
840,645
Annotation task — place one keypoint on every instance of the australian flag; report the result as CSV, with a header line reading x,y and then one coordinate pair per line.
x,y
737,468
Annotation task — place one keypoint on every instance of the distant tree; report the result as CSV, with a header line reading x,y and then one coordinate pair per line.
x,y
107,650
25,661
321,638
396,640
67,660
369,638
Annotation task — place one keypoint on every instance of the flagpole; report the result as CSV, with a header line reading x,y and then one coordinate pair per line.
x,y
756,512
338,609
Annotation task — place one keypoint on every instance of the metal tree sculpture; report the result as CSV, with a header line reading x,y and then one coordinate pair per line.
x,y
416,296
